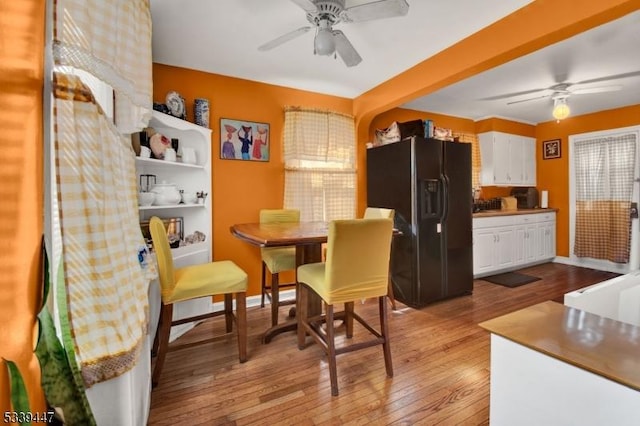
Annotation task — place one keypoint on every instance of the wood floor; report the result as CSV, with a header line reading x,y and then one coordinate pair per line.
x,y
440,359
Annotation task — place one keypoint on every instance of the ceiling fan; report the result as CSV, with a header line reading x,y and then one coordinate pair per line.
x,y
324,14
564,90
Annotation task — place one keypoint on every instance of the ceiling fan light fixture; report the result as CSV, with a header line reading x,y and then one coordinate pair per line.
x,y
324,42
560,109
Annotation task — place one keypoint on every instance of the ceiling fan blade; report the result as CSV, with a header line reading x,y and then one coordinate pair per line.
x,y
600,89
306,5
611,77
375,10
512,95
283,39
345,49
528,99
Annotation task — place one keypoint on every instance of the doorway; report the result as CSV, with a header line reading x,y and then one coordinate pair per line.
x,y
603,176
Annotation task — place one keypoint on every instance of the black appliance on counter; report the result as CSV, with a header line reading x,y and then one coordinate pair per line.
x,y
428,184
527,197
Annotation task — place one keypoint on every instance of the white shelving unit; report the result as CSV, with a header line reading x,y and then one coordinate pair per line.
x,y
196,217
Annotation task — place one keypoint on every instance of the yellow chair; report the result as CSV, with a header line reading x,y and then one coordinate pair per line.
x,y
357,267
378,212
276,260
191,282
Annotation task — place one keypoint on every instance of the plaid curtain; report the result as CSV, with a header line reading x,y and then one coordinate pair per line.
x,y
105,286
475,156
604,169
319,161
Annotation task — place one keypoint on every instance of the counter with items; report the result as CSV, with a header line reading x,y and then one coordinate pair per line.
x,y
500,212
506,240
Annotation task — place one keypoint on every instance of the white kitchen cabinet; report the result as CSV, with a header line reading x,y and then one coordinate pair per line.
x,y
509,242
507,159
195,217
493,243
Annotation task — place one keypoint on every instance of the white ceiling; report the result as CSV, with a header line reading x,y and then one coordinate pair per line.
x,y
222,36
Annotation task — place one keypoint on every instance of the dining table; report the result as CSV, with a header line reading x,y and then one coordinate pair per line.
x,y
306,237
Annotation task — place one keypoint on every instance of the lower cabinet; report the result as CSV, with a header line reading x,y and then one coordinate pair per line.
x,y
502,243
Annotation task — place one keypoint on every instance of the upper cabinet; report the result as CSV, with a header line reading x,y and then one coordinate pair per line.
x,y
507,160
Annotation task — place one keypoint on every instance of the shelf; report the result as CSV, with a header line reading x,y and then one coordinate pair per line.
x,y
162,163
173,206
190,249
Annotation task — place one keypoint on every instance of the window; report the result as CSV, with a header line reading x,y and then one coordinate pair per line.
x,y
320,164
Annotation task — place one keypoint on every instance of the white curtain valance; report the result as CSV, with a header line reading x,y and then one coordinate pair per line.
x,y
110,39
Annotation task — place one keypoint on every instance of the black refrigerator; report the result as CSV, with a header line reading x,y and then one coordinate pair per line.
x,y
428,184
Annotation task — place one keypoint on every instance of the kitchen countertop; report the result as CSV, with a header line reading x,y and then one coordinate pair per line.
x,y
597,344
493,213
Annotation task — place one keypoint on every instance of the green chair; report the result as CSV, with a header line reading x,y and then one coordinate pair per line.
x,y
276,260
357,267
191,282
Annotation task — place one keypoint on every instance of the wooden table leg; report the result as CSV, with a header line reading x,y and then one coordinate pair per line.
x,y
308,253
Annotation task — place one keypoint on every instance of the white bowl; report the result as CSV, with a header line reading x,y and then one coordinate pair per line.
x,y
146,198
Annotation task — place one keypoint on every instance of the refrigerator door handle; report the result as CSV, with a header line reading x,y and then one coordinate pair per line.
x,y
445,197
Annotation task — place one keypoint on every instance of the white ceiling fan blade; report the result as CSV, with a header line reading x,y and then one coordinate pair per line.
x,y
345,49
513,94
609,78
375,10
307,5
601,89
283,39
528,99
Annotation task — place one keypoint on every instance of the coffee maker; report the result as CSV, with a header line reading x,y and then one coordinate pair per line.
x,y
527,197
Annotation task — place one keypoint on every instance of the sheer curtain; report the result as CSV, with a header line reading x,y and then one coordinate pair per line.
x,y
320,165
604,173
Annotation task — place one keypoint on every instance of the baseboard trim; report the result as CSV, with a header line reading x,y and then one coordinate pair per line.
x,y
593,264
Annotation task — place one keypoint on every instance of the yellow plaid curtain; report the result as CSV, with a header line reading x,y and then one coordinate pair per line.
x,y
106,288
110,39
320,171
475,156
105,285
604,173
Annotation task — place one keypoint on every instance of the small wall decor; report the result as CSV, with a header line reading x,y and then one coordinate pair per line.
x,y
244,140
551,149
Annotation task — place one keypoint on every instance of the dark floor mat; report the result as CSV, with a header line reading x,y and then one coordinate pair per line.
x,y
511,279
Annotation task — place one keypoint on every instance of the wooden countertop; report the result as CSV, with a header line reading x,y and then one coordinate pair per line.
x,y
600,345
493,213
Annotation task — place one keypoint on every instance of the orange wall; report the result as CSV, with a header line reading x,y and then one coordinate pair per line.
x,y
240,188
21,190
553,175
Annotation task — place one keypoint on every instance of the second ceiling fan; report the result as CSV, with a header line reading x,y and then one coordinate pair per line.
x,y
324,14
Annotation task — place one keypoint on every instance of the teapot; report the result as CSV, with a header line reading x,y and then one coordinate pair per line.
x,y
167,194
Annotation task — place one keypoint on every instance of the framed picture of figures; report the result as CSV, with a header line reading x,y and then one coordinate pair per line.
x,y
244,140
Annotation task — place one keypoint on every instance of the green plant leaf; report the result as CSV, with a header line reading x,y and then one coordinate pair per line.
x,y
57,376
19,397
46,278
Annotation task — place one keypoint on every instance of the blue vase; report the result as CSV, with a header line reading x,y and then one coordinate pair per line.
x,y
201,112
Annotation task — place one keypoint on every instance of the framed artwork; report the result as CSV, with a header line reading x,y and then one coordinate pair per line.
x,y
551,149
244,140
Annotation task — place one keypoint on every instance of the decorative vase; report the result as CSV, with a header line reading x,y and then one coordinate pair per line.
x,y
201,112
